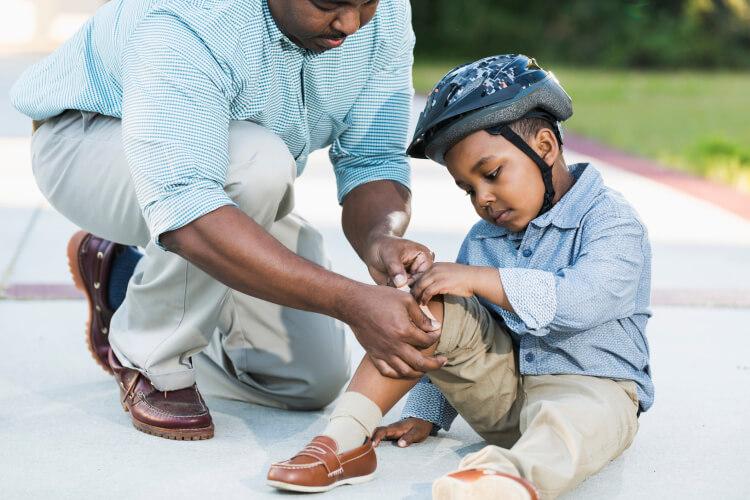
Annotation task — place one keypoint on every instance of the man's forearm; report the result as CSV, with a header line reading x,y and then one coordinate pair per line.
x,y
234,249
379,208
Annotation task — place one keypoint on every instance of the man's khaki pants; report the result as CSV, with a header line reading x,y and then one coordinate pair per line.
x,y
174,314
554,430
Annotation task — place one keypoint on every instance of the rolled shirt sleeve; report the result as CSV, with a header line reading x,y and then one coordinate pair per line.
x,y
425,401
175,123
373,147
600,286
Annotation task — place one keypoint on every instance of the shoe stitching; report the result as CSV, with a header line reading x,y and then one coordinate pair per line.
x,y
162,412
357,457
335,456
285,465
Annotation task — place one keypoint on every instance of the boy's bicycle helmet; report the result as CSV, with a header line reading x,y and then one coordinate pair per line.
x,y
487,95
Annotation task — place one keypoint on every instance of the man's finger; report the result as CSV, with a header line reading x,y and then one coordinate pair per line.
x,y
384,368
404,368
421,363
419,338
396,272
422,263
378,277
421,319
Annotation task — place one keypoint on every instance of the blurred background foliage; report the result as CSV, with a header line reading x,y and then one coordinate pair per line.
x,y
636,33
669,79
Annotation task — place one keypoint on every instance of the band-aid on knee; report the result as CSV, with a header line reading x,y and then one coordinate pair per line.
x,y
425,309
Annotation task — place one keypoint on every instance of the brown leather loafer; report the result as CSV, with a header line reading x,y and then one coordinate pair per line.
x,y
319,467
181,414
90,260
482,483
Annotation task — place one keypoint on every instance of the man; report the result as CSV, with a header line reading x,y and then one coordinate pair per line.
x,y
180,126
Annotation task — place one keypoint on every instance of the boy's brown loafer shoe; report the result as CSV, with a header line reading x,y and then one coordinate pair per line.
x,y
90,260
482,483
320,467
181,414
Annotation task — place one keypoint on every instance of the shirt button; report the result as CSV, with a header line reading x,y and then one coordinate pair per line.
x,y
529,357
527,252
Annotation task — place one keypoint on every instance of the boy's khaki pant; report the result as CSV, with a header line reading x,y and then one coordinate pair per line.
x,y
554,430
174,314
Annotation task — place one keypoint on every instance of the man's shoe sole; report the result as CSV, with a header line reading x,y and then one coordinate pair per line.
x,y
174,434
74,244
320,489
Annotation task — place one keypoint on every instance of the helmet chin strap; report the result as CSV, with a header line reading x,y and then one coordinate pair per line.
x,y
546,170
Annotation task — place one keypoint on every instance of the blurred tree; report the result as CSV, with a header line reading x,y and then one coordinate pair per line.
x,y
625,33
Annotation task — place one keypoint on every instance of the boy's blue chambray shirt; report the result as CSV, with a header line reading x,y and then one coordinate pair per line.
x,y
178,71
579,279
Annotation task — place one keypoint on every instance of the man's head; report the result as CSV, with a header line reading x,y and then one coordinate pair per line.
x,y
502,181
320,25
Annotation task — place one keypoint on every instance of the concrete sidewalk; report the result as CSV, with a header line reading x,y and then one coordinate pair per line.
x,y
63,433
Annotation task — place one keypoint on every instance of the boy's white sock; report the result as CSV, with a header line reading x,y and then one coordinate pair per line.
x,y
354,419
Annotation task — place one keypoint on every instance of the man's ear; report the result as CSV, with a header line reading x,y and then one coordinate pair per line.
x,y
546,146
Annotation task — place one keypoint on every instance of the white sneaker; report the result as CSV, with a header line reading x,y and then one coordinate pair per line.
x,y
481,484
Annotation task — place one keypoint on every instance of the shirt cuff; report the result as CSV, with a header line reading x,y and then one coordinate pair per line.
x,y
426,402
532,293
184,206
352,177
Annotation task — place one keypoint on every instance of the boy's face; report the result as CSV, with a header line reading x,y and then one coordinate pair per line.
x,y
504,184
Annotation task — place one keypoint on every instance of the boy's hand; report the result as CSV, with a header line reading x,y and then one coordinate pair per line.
x,y
445,278
408,431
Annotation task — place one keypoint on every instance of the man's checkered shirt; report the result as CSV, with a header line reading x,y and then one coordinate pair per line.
x,y
178,71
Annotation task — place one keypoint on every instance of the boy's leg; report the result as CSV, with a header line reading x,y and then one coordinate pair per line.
x,y
343,454
480,379
467,341
369,396
571,427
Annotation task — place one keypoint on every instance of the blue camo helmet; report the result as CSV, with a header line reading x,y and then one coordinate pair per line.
x,y
487,93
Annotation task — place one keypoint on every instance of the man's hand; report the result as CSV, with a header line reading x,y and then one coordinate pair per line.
x,y
395,261
392,328
408,431
447,278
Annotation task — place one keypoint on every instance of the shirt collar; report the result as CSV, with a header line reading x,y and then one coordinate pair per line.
x,y
275,35
565,214
568,212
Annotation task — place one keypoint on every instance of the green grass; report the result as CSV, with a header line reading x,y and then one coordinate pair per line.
x,y
694,121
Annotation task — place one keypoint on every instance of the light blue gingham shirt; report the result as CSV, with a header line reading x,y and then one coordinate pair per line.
x,y
177,72
579,280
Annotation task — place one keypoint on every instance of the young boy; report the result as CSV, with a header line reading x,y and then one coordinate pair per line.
x,y
543,315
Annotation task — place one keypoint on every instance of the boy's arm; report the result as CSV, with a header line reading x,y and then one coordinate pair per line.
x,y
601,285
462,280
425,401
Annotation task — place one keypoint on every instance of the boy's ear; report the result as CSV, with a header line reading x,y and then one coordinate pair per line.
x,y
546,146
